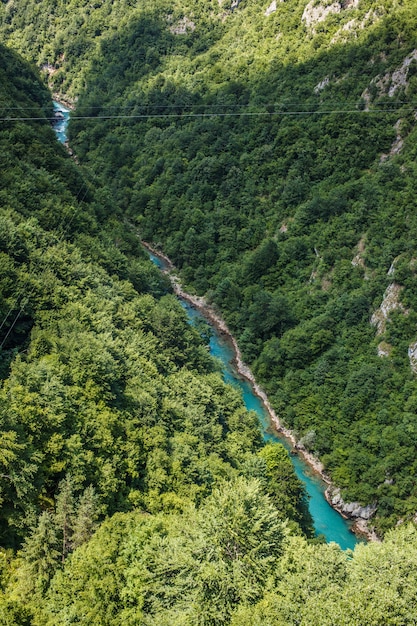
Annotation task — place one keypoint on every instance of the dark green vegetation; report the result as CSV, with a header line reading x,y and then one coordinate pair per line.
x,y
235,568
109,400
272,197
260,174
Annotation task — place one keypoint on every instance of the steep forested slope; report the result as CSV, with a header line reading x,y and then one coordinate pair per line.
x,y
110,406
109,400
270,150
160,571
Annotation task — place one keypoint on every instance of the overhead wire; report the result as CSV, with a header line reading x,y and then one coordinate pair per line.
x,y
14,322
64,225
285,102
187,115
194,115
59,240
282,108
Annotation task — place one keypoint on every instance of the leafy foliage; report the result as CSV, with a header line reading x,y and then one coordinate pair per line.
x,y
271,154
109,399
192,569
257,150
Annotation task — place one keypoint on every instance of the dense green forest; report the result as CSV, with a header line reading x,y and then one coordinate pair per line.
x,y
269,151
109,399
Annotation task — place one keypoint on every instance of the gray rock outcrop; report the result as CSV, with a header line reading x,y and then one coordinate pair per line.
x,y
352,510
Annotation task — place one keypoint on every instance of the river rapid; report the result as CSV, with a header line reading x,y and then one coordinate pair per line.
x,y
327,522
61,120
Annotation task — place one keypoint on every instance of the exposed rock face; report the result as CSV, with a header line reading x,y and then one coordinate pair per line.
x,y
271,9
384,349
49,69
316,13
389,303
412,355
322,84
358,260
399,77
391,83
380,318
229,5
182,26
351,28
397,144
352,510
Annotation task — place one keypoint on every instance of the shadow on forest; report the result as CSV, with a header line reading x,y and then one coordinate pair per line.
x,y
254,144
261,199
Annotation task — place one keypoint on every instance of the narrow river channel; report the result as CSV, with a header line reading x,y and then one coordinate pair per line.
x,y
327,521
61,122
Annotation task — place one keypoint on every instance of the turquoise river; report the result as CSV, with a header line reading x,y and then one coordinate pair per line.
x,y
327,521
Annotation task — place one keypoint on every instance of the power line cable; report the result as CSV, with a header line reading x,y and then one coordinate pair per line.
x,y
211,114
14,322
78,200
84,186
285,102
24,302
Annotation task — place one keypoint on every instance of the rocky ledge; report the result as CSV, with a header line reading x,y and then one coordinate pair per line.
x,y
355,511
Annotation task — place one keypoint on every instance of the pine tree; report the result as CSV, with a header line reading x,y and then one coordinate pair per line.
x,y
85,518
65,513
40,555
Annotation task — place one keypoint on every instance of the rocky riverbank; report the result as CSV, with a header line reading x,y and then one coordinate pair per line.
x,y
352,510
68,103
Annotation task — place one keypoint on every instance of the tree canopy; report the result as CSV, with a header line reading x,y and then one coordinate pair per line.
x,y
270,152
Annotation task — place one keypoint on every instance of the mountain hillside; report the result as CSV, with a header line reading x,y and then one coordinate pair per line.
x,y
270,151
109,399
